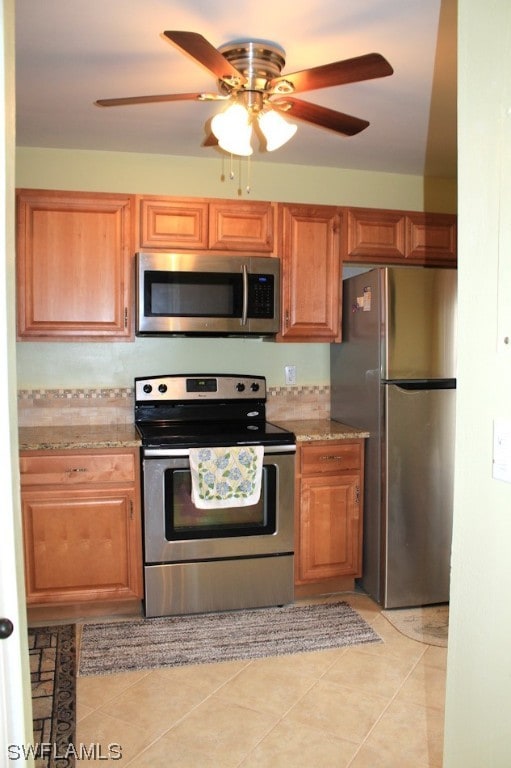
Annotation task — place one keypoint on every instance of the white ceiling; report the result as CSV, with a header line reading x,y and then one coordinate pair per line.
x,y
71,52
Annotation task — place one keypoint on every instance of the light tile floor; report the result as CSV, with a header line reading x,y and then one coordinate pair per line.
x,y
371,706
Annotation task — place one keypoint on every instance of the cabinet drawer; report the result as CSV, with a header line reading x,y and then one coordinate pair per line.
x,y
333,457
72,468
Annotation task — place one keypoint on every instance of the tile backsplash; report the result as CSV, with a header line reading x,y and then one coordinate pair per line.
x,y
60,407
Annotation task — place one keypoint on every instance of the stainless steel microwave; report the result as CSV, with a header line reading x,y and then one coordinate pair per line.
x,y
199,294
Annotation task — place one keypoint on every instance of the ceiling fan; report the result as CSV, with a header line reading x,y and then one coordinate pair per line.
x,y
259,96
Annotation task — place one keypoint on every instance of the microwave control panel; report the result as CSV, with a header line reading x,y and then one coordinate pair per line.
x,y
261,291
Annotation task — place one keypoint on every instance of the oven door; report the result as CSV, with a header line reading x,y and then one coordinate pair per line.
x,y
177,531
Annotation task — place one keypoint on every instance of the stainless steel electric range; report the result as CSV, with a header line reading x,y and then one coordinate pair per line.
x,y
201,560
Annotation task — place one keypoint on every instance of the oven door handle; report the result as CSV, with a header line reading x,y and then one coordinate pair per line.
x,y
184,452
244,310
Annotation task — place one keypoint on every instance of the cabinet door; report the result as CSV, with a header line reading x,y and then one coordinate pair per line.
x,y
431,238
243,227
81,544
374,235
74,266
169,223
330,541
311,268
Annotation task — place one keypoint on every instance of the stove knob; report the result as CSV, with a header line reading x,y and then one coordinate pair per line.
x,y
254,386
147,388
162,388
240,387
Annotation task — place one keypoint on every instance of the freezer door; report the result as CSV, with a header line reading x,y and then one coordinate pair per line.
x,y
417,495
419,323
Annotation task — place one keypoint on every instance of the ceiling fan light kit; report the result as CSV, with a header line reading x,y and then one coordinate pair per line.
x,y
233,130
276,130
249,77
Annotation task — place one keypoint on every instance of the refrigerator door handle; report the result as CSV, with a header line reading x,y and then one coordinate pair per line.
x,y
421,384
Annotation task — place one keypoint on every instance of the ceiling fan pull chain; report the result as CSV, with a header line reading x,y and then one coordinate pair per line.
x,y
231,172
240,191
249,167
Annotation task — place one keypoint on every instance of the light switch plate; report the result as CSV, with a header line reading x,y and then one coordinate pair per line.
x,y
290,375
502,450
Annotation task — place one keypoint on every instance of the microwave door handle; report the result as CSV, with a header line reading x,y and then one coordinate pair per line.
x,y
244,311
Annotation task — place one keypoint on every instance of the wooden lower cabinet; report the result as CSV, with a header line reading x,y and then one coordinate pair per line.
x,y
329,514
81,526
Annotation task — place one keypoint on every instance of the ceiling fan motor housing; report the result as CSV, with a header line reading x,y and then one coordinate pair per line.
x,y
259,61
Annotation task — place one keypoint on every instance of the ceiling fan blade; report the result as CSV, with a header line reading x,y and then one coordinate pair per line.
x,y
157,98
196,46
210,140
322,116
366,67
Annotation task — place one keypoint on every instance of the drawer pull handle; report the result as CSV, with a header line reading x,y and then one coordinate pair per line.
x,y
78,469
329,458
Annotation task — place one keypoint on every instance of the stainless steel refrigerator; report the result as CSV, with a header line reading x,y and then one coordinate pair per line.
x,y
393,374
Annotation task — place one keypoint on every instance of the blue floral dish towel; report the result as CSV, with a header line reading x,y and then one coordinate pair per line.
x,y
226,477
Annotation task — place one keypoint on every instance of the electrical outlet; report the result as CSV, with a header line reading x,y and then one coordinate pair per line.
x,y
290,375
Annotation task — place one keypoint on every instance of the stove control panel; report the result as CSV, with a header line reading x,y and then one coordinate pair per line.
x,y
178,387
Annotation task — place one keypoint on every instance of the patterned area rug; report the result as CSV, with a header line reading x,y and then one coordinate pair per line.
x,y
52,652
201,639
429,624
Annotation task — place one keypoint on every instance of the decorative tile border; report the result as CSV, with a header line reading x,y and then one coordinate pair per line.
x,y
311,389
75,394
58,407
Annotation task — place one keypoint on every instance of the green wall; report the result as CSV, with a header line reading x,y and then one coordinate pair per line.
x,y
45,365
478,694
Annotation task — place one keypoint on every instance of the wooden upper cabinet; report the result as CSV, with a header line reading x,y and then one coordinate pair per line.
x,y
172,223
377,236
247,227
431,238
205,225
374,234
74,266
311,269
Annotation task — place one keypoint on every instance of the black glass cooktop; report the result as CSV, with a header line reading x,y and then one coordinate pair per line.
x,y
198,434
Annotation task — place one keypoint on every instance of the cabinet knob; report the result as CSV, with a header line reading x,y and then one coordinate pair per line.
x,y
6,628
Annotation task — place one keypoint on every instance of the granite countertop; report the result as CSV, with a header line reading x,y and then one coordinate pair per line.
x,y
307,430
83,436
125,435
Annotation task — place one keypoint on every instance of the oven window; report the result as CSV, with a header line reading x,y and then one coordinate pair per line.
x,y
184,521
193,294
